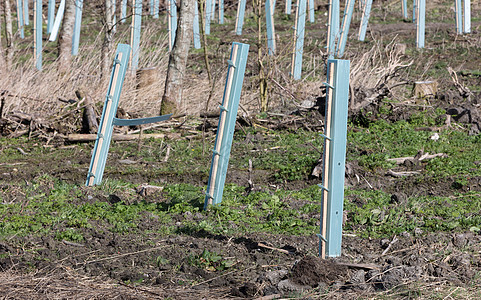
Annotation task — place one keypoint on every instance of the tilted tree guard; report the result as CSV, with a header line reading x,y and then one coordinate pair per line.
x,y
108,120
227,120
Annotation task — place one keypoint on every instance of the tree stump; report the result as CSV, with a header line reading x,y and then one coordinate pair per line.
x,y
423,89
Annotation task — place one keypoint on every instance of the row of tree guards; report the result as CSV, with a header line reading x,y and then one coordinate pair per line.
x,y
337,84
337,30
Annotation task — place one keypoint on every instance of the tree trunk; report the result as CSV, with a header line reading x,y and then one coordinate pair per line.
x,y
65,38
172,98
8,33
2,54
108,37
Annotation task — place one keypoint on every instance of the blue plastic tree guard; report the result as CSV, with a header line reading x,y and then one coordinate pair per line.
x,y
123,11
288,7
50,15
38,33
208,16
332,27
221,11
311,11
56,23
271,37
365,20
172,23
135,34
156,9
26,14
20,23
335,136
346,23
226,126
299,30
196,26
467,16
102,144
77,26
212,11
151,7
239,21
108,120
420,23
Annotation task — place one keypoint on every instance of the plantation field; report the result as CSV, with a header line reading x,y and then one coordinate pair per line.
x,y
412,209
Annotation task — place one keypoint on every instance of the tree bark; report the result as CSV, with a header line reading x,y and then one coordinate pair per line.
x,y
65,37
8,33
2,54
108,37
172,98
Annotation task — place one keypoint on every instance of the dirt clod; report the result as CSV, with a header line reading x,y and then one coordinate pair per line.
x,y
312,270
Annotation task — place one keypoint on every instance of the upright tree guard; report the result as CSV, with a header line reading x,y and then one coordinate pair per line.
x,y
365,19
346,22
50,15
221,11
227,120
296,65
77,26
135,34
212,11
58,20
271,37
37,23
239,21
20,22
335,136
151,7
123,11
404,8
196,26
156,9
208,16
288,8
467,16
311,11
172,23
26,14
332,27
420,23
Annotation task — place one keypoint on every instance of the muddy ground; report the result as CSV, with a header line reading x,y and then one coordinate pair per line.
x,y
260,266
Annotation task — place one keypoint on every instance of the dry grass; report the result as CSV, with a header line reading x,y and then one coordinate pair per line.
x,y
65,284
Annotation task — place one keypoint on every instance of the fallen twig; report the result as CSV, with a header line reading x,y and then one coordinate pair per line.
x,y
401,160
120,255
72,244
401,174
121,137
394,240
273,248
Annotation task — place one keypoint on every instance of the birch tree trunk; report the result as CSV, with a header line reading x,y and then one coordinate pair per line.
x,y
65,37
172,98
108,37
8,33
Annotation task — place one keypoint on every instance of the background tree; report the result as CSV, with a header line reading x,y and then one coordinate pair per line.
x,y
172,97
8,32
108,36
65,37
